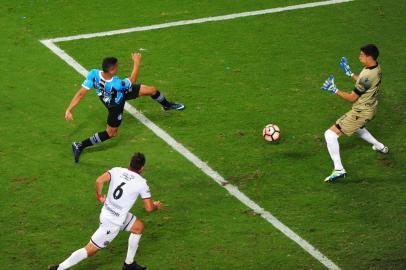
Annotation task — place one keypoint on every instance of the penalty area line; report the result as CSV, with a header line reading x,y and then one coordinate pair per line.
x,y
233,190
206,169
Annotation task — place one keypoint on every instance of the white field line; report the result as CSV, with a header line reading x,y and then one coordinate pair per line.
x,y
200,20
233,190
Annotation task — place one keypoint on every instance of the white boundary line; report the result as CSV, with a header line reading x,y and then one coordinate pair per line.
x,y
233,190
200,20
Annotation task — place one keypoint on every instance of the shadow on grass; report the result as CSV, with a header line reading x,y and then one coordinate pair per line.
x,y
104,146
359,180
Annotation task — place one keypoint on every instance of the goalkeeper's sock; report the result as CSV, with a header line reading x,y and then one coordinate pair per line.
x,y
333,149
97,138
160,98
76,257
365,135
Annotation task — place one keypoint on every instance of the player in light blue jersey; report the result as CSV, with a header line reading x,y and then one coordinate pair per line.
x,y
113,92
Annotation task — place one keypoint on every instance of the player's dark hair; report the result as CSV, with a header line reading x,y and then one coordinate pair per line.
x,y
370,50
137,161
108,63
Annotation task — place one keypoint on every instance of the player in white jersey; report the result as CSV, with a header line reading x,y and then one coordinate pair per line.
x,y
124,188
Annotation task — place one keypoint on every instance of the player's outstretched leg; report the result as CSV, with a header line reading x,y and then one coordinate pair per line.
x,y
376,145
160,98
99,137
76,257
135,236
331,136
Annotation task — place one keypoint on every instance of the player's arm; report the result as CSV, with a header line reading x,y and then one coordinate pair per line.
x,y
354,76
351,97
105,177
136,57
330,86
81,93
150,205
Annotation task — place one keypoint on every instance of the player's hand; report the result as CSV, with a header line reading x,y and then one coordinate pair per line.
x,y
158,205
345,67
329,85
68,116
136,58
101,198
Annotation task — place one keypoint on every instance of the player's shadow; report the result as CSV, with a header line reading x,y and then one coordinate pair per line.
x,y
104,146
92,264
362,180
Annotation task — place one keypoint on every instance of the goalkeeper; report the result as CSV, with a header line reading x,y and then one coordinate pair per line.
x,y
364,98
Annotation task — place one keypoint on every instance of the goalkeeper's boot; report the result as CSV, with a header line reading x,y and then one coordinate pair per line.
x,y
53,267
76,150
174,106
133,266
384,150
335,175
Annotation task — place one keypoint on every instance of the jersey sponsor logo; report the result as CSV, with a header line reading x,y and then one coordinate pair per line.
x,y
111,210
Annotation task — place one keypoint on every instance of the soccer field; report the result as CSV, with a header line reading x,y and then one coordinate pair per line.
x,y
235,76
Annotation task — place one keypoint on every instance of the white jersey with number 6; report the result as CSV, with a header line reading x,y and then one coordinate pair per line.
x,y
124,189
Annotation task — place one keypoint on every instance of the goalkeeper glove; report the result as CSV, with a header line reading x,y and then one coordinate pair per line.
x,y
329,85
345,67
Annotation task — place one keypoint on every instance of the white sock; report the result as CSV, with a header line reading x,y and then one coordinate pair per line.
x,y
132,247
333,148
76,257
364,134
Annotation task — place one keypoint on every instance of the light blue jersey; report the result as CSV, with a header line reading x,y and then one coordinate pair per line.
x,y
110,91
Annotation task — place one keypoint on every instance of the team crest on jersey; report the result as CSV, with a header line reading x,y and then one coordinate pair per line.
x,y
366,82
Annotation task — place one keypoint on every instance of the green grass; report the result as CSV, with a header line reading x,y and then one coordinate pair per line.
x,y
234,76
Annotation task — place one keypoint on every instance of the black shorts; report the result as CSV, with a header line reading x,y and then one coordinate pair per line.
x,y
115,112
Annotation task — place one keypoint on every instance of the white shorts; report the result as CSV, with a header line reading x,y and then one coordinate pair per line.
x,y
106,232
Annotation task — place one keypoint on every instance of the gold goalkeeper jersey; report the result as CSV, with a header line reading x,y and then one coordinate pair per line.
x,y
367,88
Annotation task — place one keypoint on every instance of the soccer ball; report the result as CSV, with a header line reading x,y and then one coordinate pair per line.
x,y
271,133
